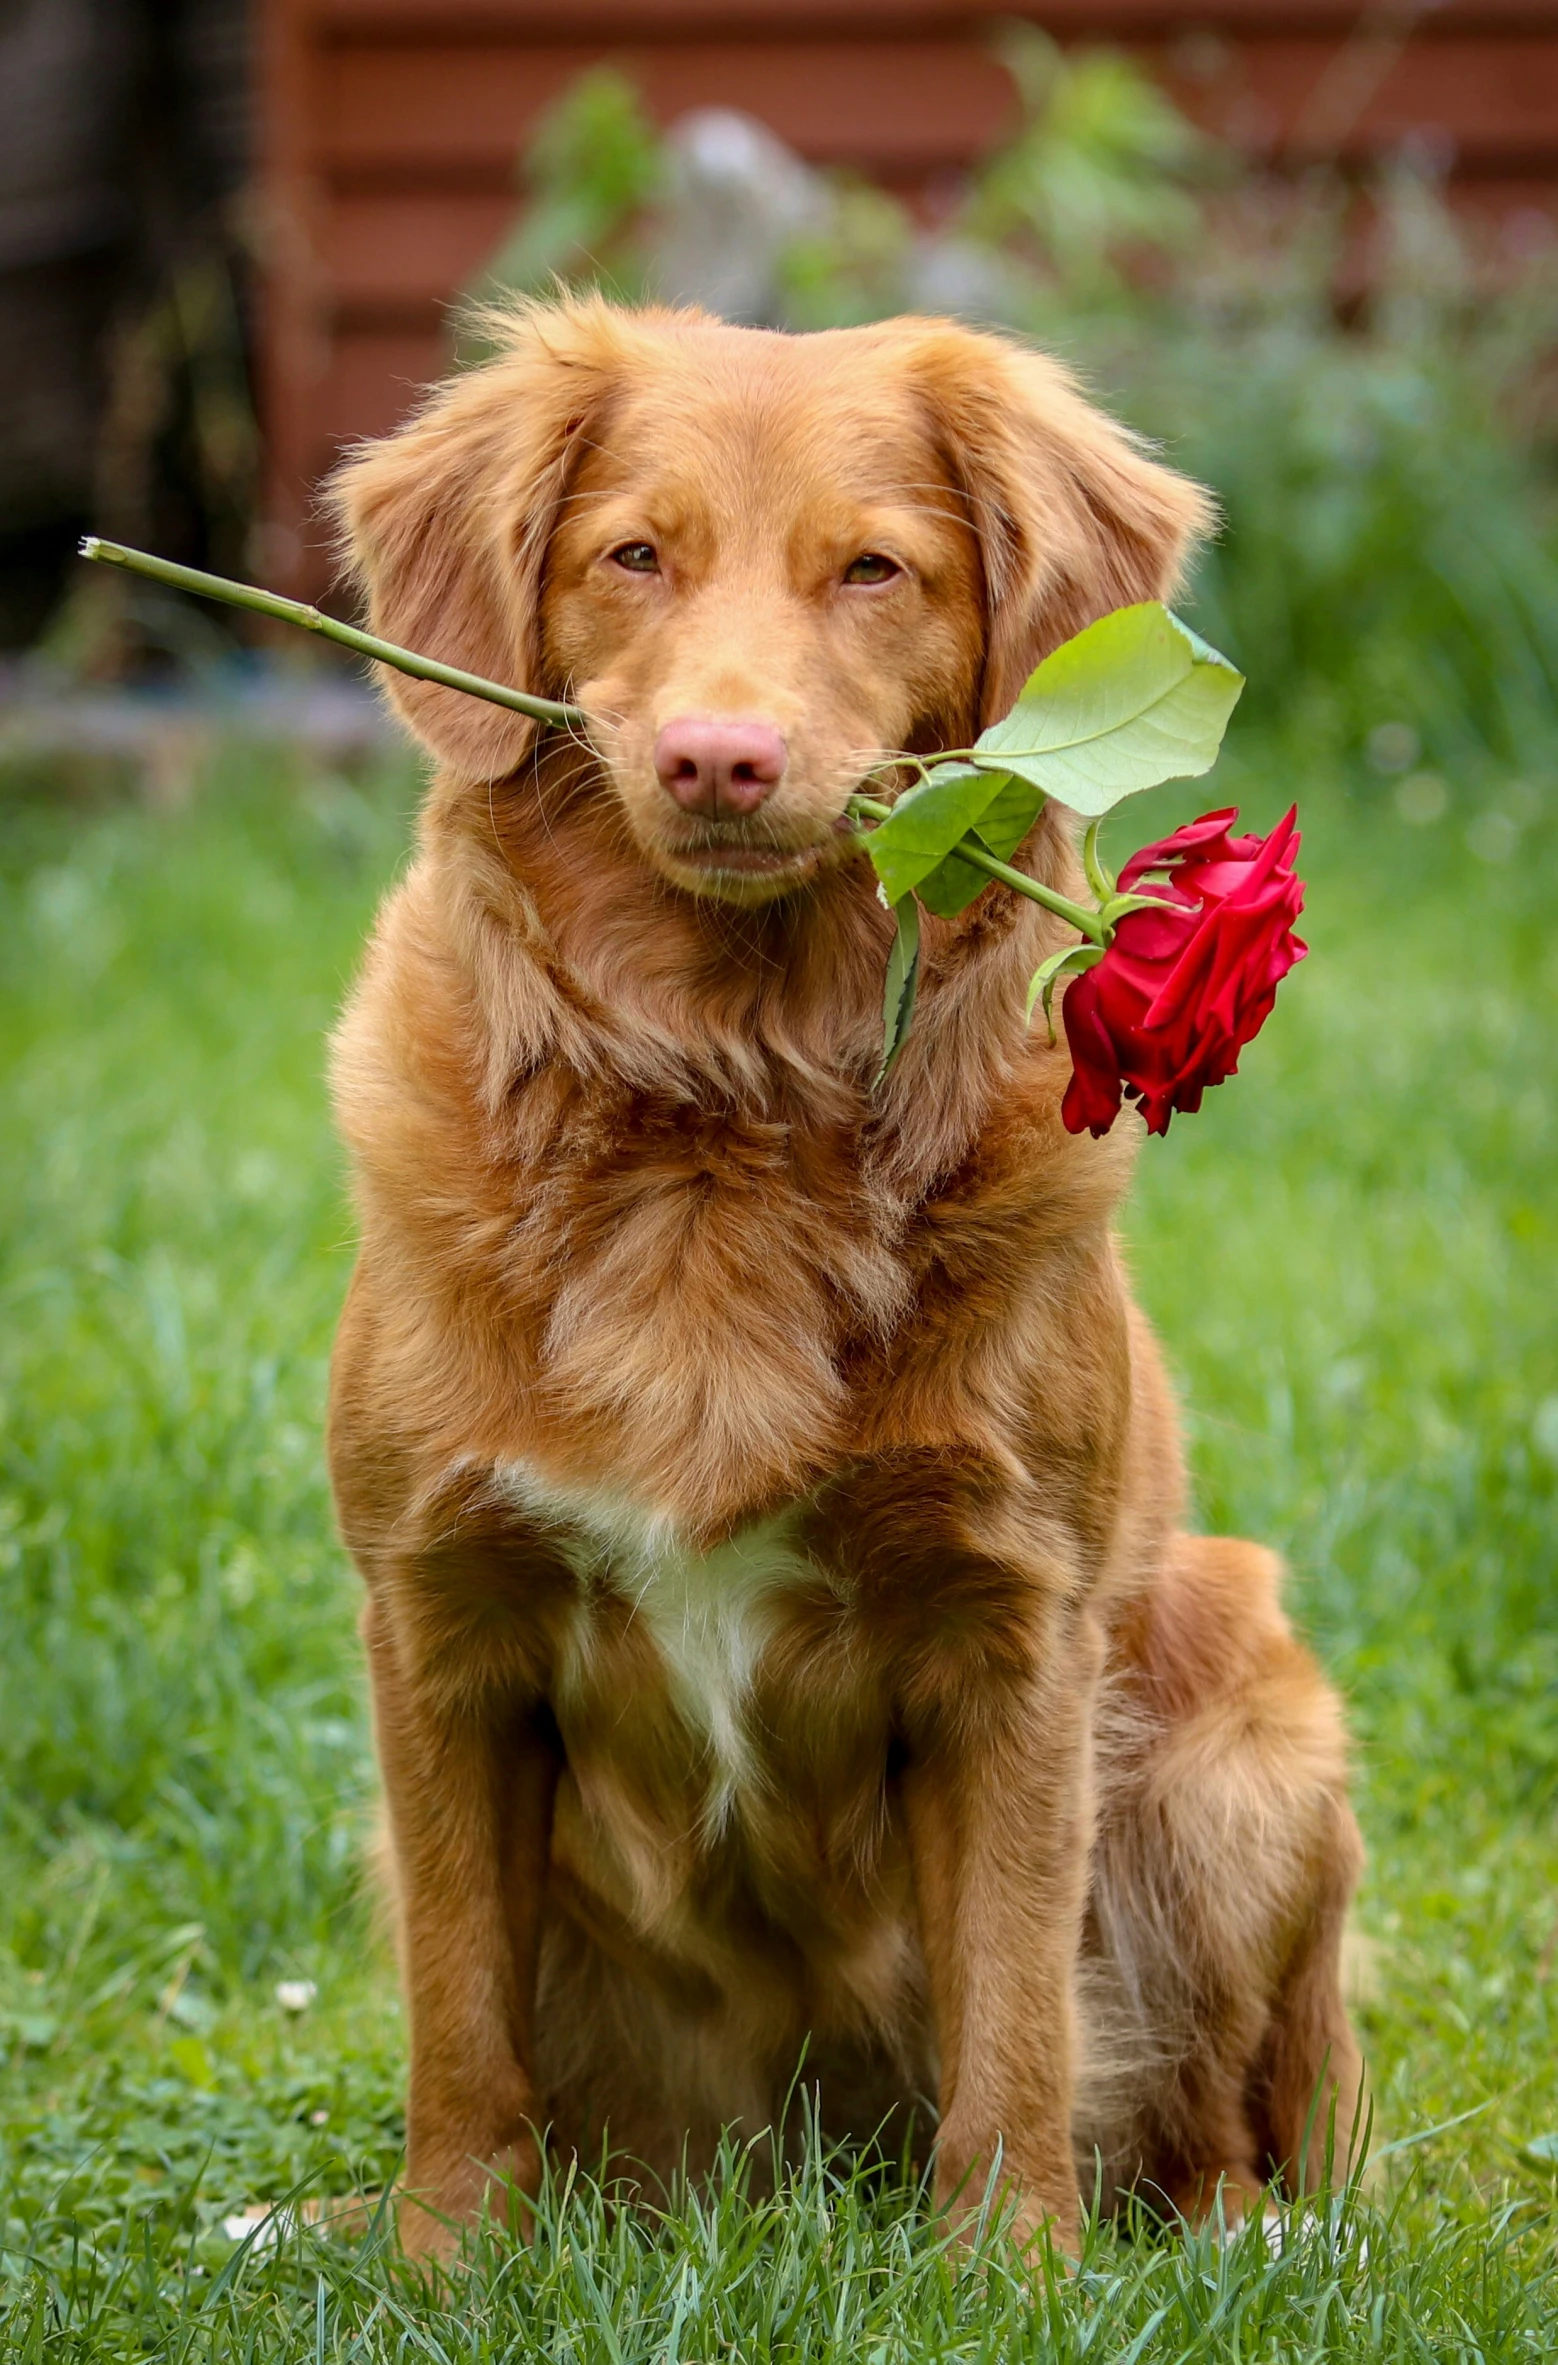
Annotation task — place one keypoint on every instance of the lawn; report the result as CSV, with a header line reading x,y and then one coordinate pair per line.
x,y
1350,1253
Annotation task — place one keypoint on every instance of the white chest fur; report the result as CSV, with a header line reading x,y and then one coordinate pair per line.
x,y
709,1613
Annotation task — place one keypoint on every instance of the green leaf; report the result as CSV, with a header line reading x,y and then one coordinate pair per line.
x,y
927,822
1007,821
903,977
953,884
1136,699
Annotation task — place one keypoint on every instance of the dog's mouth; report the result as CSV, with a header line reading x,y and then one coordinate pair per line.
x,y
748,867
748,862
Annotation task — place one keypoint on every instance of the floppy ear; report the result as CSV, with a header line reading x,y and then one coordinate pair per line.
x,y
446,523
1072,516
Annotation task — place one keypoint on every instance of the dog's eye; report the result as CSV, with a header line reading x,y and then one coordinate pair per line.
x,y
637,557
871,567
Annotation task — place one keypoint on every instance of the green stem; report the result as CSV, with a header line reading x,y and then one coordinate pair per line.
x,y
365,644
1089,924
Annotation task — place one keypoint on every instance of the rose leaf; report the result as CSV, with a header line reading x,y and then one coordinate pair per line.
x,y
1136,699
927,822
903,977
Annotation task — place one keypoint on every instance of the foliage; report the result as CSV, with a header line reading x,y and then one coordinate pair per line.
x,y
1102,163
590,167
1349,1259
1390,542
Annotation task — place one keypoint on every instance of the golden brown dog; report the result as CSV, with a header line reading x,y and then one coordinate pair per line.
x,y
782,1635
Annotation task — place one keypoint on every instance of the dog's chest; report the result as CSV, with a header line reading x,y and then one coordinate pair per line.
x,y
690,1317
707,1615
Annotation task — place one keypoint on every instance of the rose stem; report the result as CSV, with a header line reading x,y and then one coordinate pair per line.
x,y
366,644
1090,924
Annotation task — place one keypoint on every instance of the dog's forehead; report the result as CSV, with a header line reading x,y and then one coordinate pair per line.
x,y
792,420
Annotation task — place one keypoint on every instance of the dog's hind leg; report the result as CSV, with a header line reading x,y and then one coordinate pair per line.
x,y
1219,2050
1307,2093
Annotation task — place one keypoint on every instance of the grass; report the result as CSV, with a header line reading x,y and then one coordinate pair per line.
x,y
1350,1255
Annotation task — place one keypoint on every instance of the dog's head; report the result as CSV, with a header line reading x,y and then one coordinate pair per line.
x,y
761,563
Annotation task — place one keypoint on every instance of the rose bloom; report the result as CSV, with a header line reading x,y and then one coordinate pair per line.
x,y
1179,992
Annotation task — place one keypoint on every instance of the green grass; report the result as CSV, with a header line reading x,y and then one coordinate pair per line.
x,y
1350,1254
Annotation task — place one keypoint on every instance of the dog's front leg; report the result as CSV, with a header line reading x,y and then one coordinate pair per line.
x,y
469,1780
997,1798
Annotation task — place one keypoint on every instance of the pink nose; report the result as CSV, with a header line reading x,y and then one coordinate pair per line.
x,y
716,767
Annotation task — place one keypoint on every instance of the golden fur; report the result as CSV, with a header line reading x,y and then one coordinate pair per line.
x,y
780,1624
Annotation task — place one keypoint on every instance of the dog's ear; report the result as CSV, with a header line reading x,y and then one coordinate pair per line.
x,y
1073,517
445,524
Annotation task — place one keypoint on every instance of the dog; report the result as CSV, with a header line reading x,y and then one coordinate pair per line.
x,y
783,1638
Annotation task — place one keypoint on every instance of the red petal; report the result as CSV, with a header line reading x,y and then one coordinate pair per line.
x,y
1092,1100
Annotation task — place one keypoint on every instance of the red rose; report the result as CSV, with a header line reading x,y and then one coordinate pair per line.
x,y
1166,1011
